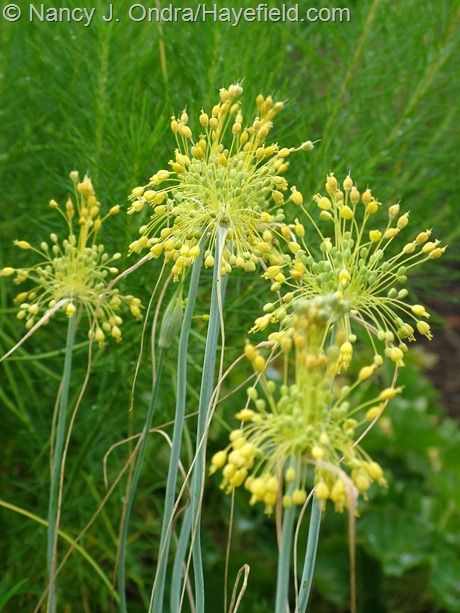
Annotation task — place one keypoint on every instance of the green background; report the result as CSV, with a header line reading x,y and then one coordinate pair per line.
x,y
382,95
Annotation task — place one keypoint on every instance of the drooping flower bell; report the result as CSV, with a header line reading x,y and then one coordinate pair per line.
x,y
227,177
74,271
359,263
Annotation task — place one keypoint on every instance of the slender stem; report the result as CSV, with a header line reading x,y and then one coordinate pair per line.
x,y
157,595
284,560
135,481
56,463
310,556
179,560
193,513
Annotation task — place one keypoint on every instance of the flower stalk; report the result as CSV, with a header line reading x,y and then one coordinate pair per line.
x,y
310,556
158,589
53,528
192,518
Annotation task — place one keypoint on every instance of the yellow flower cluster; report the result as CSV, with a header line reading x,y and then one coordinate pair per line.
x,y
74,271
301,434
357,262
227,178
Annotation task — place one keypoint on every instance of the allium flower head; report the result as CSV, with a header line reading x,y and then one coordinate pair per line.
x,y
358,262
75,270
227,177
301,433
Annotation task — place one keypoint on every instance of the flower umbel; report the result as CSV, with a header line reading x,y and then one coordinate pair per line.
x,y
74,270
227,177
301,433
355,263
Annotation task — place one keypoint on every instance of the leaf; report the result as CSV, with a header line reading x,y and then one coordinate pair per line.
x,y
445,580
16,589
399,540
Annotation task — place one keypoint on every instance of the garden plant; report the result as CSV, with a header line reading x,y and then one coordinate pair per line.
x,y
228,334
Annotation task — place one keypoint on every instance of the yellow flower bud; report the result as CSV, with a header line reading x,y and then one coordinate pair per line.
x,y
393,211
375,235
116,333
374,412
7,271
344,277
410,247
366,372
403,221
317,452
420,311
99,336
389,393
354,195
218,459
22,244
372,207
423,237
70,309
307,145
259,363
395,354
299,229
374,470
137,192
437,253
299,496
338,490
249,351
245,415
321,491
346,212
367,197
424,328
331,184
390,233
324,204
429,247
296,197
348,183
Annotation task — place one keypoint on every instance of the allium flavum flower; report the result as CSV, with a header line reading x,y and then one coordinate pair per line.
x,y
302,433
74,271
355,264
228,178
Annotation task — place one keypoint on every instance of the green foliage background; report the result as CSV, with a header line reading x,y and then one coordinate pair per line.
x,y
382,94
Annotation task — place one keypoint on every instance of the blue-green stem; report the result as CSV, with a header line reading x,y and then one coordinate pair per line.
x,y
57,461
310,556
134,482
284,560
157,596
192,518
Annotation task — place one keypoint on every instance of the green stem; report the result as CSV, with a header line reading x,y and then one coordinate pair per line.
x,y
284,560
157,595
56,463
310,556
135,481
193,513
